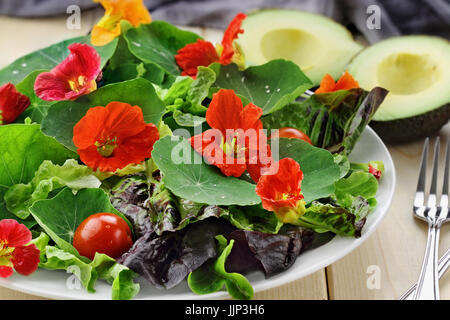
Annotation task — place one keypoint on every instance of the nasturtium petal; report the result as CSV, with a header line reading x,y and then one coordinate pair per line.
x,y
12,103
200,53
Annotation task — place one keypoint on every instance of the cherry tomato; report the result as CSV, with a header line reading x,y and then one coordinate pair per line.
x,y
376,173
291,133
103,233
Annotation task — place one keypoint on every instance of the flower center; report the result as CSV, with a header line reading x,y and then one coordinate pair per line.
x,y
5,254
109,22
233,148
77,84
105,147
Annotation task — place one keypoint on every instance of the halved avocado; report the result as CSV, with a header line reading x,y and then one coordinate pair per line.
x,y
314,42
415,70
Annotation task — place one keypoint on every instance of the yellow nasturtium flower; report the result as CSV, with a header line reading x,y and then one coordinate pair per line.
x,y
108,28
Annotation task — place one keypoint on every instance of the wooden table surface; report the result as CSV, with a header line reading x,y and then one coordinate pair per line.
x,y
393,253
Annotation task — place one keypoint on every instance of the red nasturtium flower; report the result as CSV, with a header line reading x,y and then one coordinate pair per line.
x,y
280,190
108,28
236,142
345,82
12,103
14,251
203,53
112,137
74,77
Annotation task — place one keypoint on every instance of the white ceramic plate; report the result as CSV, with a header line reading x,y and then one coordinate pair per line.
x,y
60,285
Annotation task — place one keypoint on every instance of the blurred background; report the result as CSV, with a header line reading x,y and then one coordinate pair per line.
x,y
398,17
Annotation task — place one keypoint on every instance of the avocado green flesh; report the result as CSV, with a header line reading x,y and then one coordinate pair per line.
x,y
317,44
291,44
405,73
413,68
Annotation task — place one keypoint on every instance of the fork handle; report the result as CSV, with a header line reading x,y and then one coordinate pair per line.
x,y
428,284
444,263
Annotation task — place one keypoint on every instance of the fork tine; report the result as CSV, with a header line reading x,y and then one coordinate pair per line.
x,y
446,170
433,187
423,168
444,195
420,191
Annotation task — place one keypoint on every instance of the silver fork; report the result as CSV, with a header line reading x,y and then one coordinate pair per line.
x,y
444,261
435,215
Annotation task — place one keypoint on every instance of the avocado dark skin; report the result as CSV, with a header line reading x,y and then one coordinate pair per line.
x,y
412,128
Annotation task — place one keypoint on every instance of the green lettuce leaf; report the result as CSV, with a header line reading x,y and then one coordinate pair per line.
x,y
270,86
23,148
212,276
187,119
178,90
333,121
184,98
49,57
64,115
199,90
5,214
102,267
357,184
331,218
47,178
376,164
344,212
253,218
343,163
187,176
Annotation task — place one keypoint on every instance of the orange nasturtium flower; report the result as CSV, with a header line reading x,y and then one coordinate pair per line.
x,y
345,82
280,190
108,28
113,137
236,141
203,53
